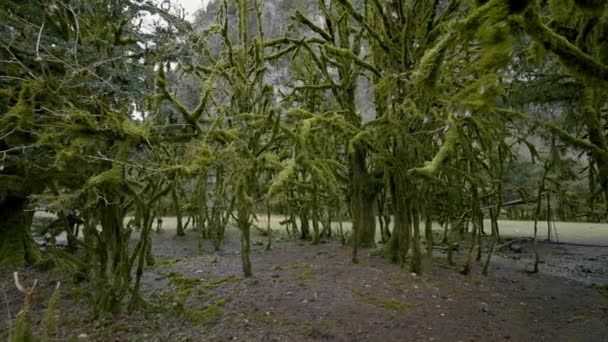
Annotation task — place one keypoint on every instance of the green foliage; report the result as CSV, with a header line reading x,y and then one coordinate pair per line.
x,y
51,317
23,327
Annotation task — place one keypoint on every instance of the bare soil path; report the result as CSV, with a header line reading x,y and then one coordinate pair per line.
x,y
314,293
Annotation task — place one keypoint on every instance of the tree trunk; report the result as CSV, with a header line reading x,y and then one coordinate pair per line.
x,y
315,218
398,246
495,239
451,232
384,217
416,262
114,276
428,235
268,229
473,244
178,210
362,202
244,223
304,227
17,246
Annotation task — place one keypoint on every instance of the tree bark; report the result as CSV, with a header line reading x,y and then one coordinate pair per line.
x,y
428,234
398,246
244,222
315,218
114,276
17,246
416,262
178,210
362,202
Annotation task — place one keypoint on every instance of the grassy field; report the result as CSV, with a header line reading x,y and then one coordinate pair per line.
x,y
570,232
567,232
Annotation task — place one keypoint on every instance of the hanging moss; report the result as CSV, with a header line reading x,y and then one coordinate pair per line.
x,y
580,63
362,138
428,69
348,55
112,177
446,150
283,179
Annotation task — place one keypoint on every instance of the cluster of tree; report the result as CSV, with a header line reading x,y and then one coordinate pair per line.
x,y
102,116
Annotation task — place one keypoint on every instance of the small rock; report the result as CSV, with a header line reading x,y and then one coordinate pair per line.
x,y
83,336
516,248
484,307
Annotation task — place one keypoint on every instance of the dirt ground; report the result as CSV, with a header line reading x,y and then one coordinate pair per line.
x,y
314,293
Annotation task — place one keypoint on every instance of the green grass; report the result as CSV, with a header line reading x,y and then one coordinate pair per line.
x,y
184,288
388,304
604,290
208,314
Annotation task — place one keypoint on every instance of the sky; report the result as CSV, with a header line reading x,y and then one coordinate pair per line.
x,y
192,5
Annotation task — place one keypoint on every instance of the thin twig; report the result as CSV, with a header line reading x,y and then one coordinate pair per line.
x,y
9,133
38,58
18,148
77,34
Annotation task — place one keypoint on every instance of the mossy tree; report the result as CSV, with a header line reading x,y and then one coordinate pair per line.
x,y
244,122
337,44
73,54
573,34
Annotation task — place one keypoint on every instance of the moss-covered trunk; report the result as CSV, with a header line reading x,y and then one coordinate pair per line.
x,y
315,217
244,223
362,202
113,277
178,209
304,225
398,246
416,263
428,234
16,243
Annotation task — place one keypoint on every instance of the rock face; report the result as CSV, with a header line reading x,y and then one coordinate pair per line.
x,y
277,19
